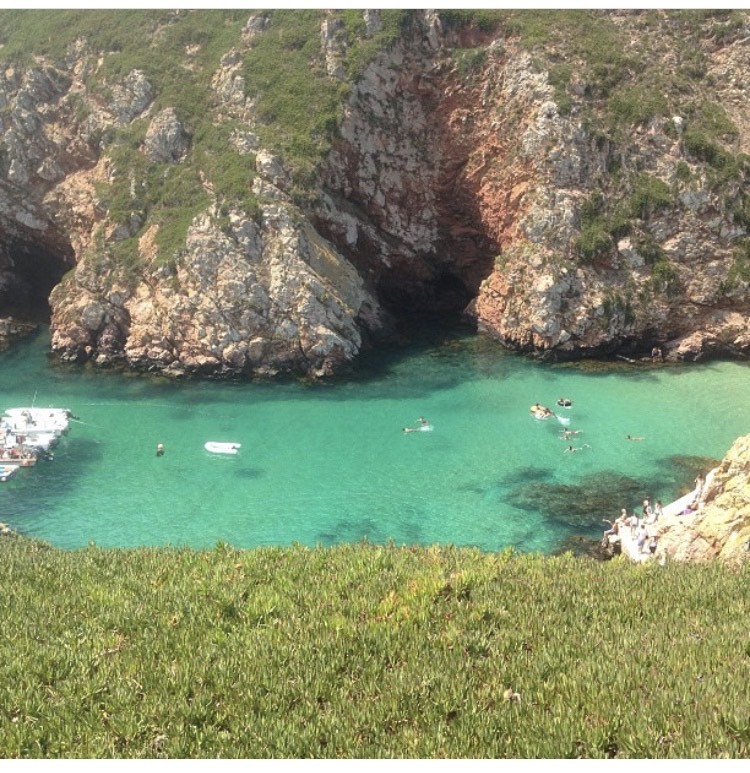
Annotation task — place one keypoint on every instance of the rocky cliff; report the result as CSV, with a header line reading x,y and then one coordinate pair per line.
x,y
575,185
720,526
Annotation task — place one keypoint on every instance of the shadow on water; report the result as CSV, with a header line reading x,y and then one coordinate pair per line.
x,y
638,371
441,352
680,470
442,356
248,473
33,487
351,531
527,475
583,505
583,547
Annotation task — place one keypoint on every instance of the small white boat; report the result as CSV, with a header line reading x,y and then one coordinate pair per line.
x,y
8,471
222,448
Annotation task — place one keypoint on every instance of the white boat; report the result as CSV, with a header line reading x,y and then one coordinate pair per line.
x,y
26,420
33,439
222,448
8,471
40,413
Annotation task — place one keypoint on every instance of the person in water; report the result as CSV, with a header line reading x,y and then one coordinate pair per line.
x,y
423,425
572,449
160,449
630,437
565,402
569,433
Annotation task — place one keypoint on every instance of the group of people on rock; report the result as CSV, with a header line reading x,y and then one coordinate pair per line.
x,y
637,525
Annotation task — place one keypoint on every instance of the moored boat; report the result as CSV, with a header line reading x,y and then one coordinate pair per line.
x,y
41,440
25,420
21,456
8,471
222,448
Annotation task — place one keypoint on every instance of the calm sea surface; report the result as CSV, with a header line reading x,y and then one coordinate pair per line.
x,y
327,464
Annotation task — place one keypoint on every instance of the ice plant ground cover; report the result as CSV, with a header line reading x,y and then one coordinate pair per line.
x,y
368,651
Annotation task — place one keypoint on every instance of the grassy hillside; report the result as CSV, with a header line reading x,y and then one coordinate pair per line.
x,y
366,651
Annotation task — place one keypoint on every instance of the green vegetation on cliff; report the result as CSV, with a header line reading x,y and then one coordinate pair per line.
x,y
368,651
296,106
619,70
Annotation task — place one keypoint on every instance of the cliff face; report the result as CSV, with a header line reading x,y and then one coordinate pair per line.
x,y
462,178
721,526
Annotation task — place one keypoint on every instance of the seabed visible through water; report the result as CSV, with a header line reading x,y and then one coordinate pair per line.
x,y
324,464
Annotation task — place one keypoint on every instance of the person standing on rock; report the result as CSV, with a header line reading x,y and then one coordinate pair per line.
x,y
641,538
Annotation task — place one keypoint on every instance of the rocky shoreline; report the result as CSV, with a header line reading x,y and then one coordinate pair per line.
x,y
12,329
446,191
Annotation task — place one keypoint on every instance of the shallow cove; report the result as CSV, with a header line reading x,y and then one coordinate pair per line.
x,y
325,464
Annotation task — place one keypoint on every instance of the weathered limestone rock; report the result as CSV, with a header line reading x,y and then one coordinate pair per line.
x,y
131,97
11,328
166,141
457,181
720,528
373,22
333,41
254,301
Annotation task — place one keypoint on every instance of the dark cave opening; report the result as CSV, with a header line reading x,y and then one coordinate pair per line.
x,y
414,302
28,273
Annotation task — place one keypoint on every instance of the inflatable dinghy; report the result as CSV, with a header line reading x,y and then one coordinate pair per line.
x,y
222,448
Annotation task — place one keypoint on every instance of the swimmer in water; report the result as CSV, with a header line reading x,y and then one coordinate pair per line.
x,y
572,449
566,434
424,426
630,437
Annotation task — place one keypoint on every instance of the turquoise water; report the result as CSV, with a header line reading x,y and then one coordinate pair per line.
x,y
326,464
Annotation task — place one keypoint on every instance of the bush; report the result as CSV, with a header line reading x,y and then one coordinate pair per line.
x,y
470,60
650,195
739,271
594,242
664,277
682,172
636,105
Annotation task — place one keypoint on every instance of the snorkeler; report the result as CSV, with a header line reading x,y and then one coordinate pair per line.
x,y
424,426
